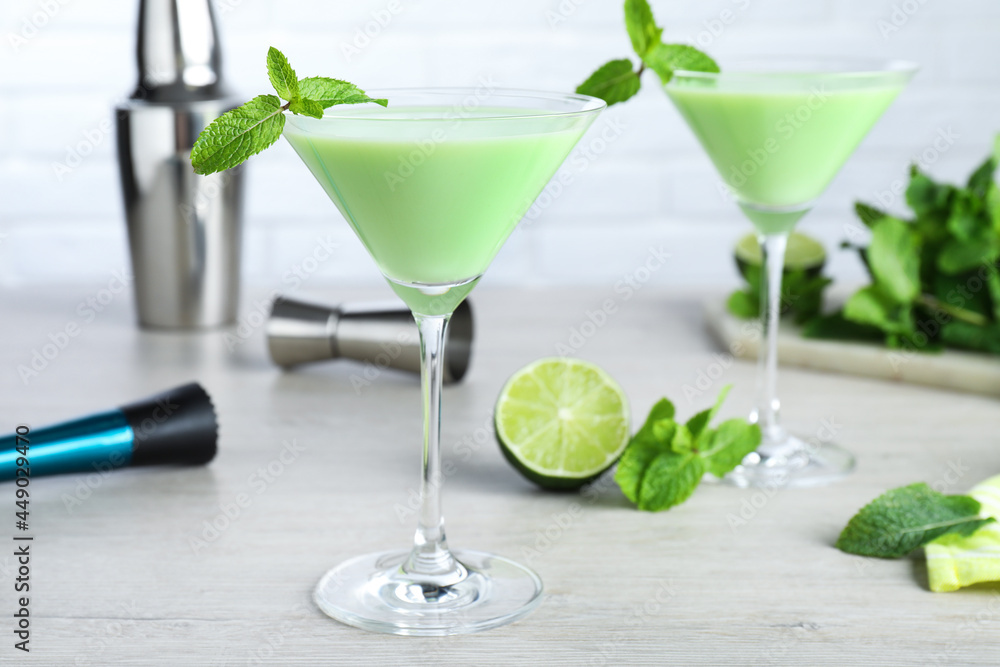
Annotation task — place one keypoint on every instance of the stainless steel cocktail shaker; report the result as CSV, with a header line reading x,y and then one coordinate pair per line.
x,y
183,229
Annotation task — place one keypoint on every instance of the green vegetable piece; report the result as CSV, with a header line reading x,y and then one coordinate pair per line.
x,y
664,59
992,205
282,76
306,107
972,337
868,214
729,445
982,177
641,26
682,441
899,521
925,196
744,304
836,326
614,82
894,257
700,421
670,480
869,306
327,92
238,134
958,256
965,221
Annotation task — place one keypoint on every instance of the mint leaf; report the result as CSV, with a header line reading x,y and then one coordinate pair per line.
x,y
328,92
993,206
632,467
925,196
965,221
665,59
663,410
282,76
958,256
982,177
894,258
972,337
744,304
664,430
899,521
871,306
729,445
700,421
868,214
238,134
306,107
614,82
669,480
682,440
836,326
641,26
655,478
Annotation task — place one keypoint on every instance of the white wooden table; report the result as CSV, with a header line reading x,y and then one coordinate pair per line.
x,y
733,576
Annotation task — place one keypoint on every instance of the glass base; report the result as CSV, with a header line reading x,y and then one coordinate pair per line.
x,y
372,592
788,461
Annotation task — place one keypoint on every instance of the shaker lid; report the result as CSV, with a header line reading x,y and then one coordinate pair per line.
x,y
178,52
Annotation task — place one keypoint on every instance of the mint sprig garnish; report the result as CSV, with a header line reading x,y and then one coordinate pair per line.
x,y
241,133
617,81
903,519
665,460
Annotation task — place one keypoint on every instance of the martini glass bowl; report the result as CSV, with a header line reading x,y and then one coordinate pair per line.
x,y
778,129
433,185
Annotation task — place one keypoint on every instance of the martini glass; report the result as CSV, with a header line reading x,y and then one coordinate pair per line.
x,y
433,185
778,130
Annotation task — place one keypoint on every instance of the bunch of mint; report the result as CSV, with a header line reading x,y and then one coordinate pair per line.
x,y
617,81
243,132
665,460
901,520
934,277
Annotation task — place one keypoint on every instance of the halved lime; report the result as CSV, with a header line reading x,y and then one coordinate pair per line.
x,y
562,422
803,253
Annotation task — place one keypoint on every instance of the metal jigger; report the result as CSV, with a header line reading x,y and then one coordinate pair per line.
x,y
383,334
183,229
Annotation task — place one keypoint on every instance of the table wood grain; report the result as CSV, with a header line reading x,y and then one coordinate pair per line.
x,y
128,568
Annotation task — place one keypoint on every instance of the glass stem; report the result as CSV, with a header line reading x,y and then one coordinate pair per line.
x,y
430,557
766,413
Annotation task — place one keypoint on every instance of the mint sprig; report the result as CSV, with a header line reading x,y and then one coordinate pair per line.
x,y
934,278
241,133
903,519
617,81
665,460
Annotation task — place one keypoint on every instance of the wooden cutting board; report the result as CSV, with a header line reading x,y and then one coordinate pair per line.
x,y
950,369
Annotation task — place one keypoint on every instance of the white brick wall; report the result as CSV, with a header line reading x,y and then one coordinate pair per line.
x,y
651,187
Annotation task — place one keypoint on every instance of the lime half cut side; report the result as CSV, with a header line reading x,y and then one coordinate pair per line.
x,y
562,422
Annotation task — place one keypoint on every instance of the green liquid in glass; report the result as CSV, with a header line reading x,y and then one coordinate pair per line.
x,y
779,148
433,197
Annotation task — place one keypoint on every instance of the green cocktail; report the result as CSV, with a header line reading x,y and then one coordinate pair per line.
x,y
778,131
433,186
780,147
433,199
